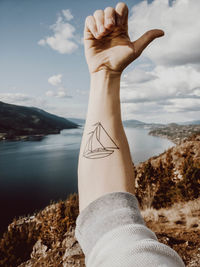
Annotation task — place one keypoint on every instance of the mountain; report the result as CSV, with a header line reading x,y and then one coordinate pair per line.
x,y
133,123
18,121
77,121
126,123
136,123
197,122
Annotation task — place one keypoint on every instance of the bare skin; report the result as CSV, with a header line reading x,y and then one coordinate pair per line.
x,y
105,163
112,49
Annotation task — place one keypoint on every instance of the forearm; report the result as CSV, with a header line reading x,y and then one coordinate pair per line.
x,y
109,169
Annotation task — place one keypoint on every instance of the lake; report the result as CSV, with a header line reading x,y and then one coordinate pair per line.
x,y
33,173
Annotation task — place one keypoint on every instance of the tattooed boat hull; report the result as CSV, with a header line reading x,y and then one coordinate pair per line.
x,y
98,154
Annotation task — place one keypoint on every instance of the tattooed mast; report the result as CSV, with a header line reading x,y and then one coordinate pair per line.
x,y
100,144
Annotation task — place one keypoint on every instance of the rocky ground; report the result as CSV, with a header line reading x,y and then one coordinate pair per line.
x,y
47,238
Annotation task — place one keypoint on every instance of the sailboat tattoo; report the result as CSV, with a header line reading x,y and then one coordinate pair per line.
x,y
100,144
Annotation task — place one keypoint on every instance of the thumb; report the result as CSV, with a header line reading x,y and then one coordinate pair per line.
x,y
141,43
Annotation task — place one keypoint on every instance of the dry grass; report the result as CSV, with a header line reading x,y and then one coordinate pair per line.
x,y
179,228
187,214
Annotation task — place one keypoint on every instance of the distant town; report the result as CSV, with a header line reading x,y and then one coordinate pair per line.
x,y
176,133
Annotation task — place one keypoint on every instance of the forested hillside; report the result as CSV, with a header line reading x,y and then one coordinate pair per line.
x,y
16,121
171,177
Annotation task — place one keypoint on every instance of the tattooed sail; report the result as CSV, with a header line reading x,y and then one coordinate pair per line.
x,y
99,144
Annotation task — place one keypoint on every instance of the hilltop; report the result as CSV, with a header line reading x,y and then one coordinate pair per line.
x,y
29,123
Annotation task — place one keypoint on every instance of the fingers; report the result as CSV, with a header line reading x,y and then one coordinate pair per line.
x,y
99,18
141,43
102,22
109,17
122,14
90,28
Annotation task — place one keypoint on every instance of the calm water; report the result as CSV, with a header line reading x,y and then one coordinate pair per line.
x,y
34,173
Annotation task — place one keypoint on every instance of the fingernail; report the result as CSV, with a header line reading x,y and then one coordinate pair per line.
x,y
109,22
101,29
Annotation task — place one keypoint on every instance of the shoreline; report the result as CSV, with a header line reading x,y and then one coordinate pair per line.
x,y
176,133
29,137
35,137
176,141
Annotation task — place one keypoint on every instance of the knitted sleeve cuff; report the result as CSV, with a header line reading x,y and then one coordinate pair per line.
x,y
105,214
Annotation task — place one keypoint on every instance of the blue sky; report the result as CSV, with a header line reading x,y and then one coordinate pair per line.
x,y
53,74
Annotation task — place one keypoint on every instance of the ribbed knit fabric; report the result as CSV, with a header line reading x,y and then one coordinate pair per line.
x,y
112,233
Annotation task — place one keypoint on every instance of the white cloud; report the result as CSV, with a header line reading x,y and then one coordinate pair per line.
x,y
22,99
168,87
164,83
82,92
62,94
42,42
50,93
59,93
55,79
181,24
138,76
182,105
172,89
67,14
63,39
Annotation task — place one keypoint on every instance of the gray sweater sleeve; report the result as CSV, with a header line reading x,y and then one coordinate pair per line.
x,y
112,233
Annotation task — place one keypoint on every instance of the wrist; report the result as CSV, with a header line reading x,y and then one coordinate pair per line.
x,y
105,80
105,73
104,98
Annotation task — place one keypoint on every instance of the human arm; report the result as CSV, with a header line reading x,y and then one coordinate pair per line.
x,y
110,228
107,54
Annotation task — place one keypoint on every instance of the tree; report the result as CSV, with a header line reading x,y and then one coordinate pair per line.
x,y
146,186
189,186
166,193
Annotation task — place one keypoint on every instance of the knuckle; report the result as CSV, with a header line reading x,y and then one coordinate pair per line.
x,y
98,13
109,9
88,19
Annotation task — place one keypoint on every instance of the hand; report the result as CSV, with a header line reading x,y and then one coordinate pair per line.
x,y
106,40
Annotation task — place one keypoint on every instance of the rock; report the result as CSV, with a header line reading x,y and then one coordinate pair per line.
x,y
73,253
39,250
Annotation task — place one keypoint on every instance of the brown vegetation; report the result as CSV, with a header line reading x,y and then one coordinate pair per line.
x,y
179,228
173,176
48,226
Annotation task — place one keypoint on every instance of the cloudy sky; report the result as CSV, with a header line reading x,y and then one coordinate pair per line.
x,y
42,60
